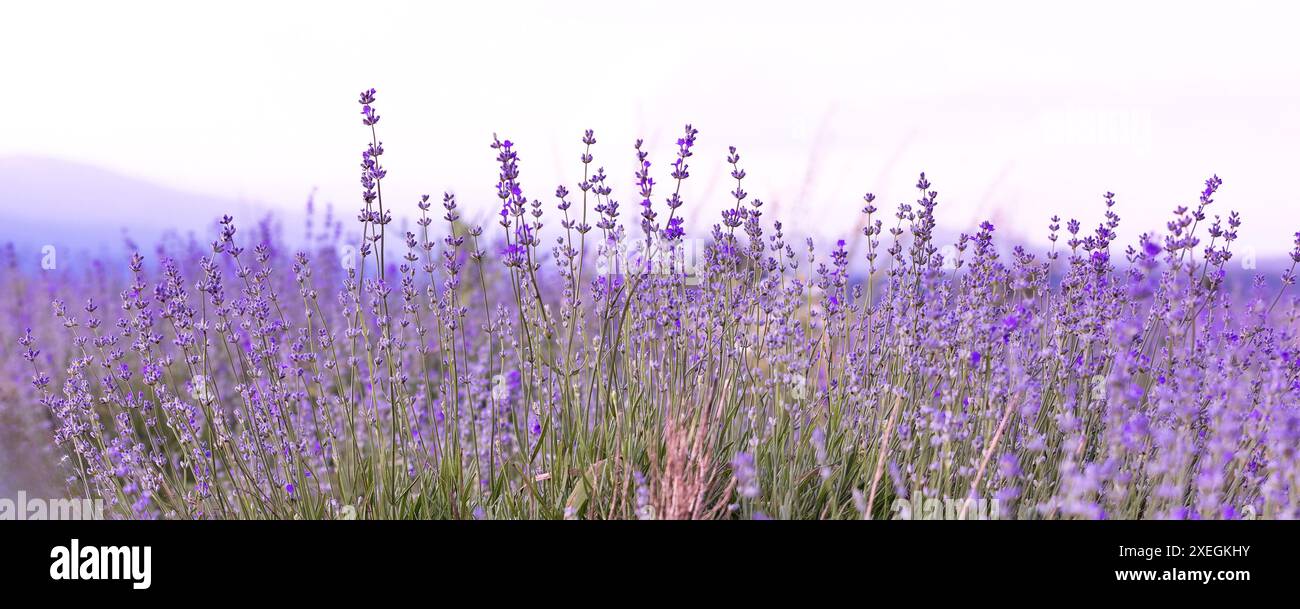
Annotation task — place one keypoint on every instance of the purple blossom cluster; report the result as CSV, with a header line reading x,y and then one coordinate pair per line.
x,y
447,370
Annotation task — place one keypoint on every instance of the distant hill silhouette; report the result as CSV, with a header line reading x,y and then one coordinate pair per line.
x,y
49,201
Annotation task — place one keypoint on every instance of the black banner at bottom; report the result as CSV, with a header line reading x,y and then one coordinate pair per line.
x,y
331,560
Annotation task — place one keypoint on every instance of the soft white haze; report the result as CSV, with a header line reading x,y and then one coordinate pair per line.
x,y
1014,110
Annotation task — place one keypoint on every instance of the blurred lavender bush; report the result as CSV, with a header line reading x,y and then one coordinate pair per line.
x,y
624,370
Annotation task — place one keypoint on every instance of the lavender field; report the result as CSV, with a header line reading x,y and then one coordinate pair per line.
x,y
581,357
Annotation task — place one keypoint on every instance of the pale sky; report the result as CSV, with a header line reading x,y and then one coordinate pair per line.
x,y
1015,110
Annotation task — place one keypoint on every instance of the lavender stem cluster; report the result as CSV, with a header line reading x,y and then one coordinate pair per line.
x,y
451,370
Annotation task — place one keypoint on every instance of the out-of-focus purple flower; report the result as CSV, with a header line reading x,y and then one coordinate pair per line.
x,y
746,475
